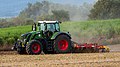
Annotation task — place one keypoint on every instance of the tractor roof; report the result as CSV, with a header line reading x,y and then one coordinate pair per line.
x,y
48,21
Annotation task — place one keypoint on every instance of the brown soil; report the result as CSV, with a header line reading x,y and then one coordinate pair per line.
x,y
12,59
67,60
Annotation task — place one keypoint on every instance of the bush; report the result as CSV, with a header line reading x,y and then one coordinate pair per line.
x,y
16,37
10,41
1,41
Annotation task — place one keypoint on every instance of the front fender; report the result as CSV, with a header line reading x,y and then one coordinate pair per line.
x,y
55,35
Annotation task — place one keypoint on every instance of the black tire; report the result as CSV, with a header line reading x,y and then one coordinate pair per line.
x,y
62,44
21,50
34,47
103,50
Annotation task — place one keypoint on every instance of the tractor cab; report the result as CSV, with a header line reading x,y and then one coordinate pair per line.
x,y
47,27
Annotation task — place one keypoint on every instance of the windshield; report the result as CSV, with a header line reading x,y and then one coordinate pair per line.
x,y
50,26
53,27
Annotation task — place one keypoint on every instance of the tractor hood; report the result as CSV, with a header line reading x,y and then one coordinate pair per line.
x,y
33,35
24,35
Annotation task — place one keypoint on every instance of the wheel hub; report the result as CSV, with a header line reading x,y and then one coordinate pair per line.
x,y
62,44
35,48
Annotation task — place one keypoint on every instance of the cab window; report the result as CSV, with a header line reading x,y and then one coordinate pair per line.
x,y
41,27
57,27
51,27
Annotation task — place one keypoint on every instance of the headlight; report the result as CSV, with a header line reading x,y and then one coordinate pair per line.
x,y
24,40
39,35
18,39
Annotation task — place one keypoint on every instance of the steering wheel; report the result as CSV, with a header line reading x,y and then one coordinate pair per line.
x,y
48,33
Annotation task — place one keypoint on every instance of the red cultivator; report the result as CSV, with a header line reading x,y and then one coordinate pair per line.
x,y
89,48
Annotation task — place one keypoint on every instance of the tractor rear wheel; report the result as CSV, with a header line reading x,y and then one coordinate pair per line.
x,y
62,44
34,47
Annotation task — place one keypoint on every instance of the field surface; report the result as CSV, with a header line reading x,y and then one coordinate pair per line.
x,y
62,60
12,59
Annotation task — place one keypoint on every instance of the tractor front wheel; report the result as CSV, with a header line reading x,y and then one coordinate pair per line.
x,y
62,44
34,47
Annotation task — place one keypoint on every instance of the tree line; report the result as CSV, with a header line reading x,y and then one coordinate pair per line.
x,y
45,10
105,9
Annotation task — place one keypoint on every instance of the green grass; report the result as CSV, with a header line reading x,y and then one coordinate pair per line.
x,y
8,35
81,31
92,31
12,31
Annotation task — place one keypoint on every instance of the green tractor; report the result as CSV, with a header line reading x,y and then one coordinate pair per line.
x,y
45,37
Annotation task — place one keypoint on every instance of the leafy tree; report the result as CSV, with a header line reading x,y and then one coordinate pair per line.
x,y
106,9
61,15
34,10
45,17
45,10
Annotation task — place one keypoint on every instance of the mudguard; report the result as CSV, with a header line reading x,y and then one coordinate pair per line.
x,y
55,35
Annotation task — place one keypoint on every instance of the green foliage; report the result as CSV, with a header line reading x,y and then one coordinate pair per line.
x,y
40,11
45,10
34,10
10,35
106,9
17,21
21,21
89,31
1,41
61,15
45,17
101,31
10,41
5,22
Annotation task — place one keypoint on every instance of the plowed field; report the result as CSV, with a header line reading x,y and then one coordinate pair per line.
x,y
12,59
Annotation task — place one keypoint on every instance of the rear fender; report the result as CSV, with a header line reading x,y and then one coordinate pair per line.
x,y
55,35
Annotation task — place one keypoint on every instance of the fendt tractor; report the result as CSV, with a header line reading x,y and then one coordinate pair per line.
x,y
46,37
